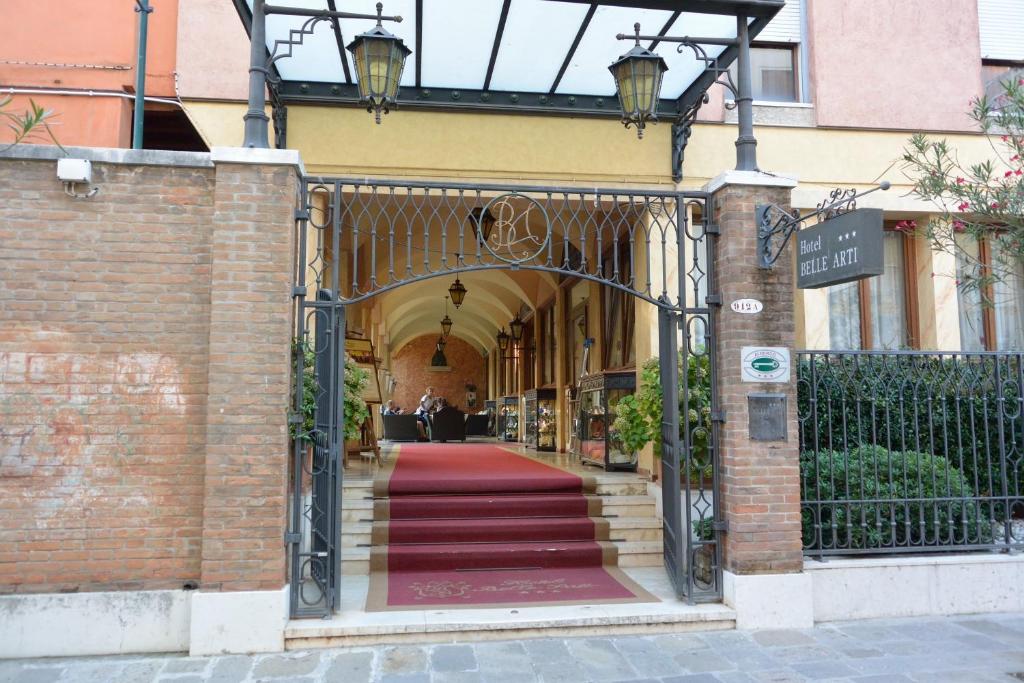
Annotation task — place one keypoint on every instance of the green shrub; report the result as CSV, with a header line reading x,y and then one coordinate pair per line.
x,y
870,497
639,416
356,411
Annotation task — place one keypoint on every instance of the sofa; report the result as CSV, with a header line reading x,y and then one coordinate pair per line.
x,y
400,428
448,424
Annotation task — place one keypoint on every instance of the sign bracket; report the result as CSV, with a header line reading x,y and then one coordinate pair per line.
x,y
773,220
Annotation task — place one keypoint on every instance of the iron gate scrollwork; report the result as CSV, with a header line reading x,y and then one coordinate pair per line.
x,y
358,238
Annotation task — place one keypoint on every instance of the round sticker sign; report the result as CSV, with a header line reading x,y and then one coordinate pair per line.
x,y
764,364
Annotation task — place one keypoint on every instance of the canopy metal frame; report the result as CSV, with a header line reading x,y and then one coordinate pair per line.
x,y
751,15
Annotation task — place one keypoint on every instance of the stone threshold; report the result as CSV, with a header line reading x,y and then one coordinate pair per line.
x,y
353,626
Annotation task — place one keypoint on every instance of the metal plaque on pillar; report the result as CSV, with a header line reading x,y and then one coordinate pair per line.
x,y
841,249
766,417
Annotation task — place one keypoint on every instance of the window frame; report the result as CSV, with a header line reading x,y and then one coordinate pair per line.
x,y
798,95
988,312
911,310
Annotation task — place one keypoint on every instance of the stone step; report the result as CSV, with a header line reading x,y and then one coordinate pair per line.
x,y
640,553
621,488
635,529
355,559
355,533
628,506
357,628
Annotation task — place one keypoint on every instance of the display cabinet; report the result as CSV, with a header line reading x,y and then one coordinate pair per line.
x,y
491,407
599,443
509,411
539,419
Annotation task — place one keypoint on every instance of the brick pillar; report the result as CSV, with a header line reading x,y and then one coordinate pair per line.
x,y
250,335
241,606
760,480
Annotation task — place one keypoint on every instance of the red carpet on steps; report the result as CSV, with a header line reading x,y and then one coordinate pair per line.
x,y
473,525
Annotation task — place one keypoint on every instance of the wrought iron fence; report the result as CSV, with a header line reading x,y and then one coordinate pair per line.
x,y
911,451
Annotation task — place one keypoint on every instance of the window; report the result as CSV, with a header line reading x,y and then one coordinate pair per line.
x,y
547,345
999,324
1000,24
772,73
618,307
878,312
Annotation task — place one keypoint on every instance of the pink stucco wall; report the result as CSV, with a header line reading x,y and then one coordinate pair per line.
x,y
213,51
911,65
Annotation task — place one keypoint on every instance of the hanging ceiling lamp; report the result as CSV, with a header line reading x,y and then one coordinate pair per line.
x,y
638,75
503,341
458,292
482,222
517,328
446,322
379,58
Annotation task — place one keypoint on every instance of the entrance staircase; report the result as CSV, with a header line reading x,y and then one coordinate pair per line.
x,y
633,528
629,510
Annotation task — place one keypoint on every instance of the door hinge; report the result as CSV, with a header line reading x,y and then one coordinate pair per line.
x,y
302,214
718,416
298,291
292,537
713,229
713,299
720,525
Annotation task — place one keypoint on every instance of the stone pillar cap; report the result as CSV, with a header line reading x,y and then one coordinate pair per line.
x,y
262,157
761,178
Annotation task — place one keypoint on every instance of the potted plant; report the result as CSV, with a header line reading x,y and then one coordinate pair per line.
x,y
355,409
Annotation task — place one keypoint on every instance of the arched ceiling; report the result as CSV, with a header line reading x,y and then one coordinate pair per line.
x,y
492,300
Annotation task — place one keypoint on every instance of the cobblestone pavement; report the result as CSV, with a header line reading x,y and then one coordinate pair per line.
x,y
969,649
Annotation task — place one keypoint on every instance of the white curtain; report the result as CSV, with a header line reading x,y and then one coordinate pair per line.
x,y
888,298
1009,308
972,321
844,316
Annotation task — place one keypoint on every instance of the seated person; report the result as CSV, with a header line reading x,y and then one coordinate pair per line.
x,y
427,406
391,409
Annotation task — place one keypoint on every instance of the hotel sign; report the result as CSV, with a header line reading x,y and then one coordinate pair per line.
x,y
841,249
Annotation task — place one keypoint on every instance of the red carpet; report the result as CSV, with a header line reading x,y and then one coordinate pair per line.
x,y
474,525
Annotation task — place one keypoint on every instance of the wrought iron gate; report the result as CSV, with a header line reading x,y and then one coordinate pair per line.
x,y
357,238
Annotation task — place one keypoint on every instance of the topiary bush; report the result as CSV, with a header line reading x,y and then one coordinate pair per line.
x,y
870,497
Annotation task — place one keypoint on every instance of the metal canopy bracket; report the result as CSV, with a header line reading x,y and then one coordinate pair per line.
x,y
774,221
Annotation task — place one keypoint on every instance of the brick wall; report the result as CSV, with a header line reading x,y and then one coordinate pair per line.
x,y
409,367
104,321
760,489
144,347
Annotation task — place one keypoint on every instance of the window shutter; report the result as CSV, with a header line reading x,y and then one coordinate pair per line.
x,y
785,27
1001,24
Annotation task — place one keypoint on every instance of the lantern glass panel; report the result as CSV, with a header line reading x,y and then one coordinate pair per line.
x,y
627,94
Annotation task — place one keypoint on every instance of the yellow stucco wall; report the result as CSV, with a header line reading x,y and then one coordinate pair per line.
x,y
588,151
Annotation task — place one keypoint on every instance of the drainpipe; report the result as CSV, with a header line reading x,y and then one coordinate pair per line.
x,y
256,129
143,9
746,143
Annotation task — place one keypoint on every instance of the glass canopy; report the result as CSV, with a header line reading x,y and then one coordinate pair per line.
x,y
506,54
